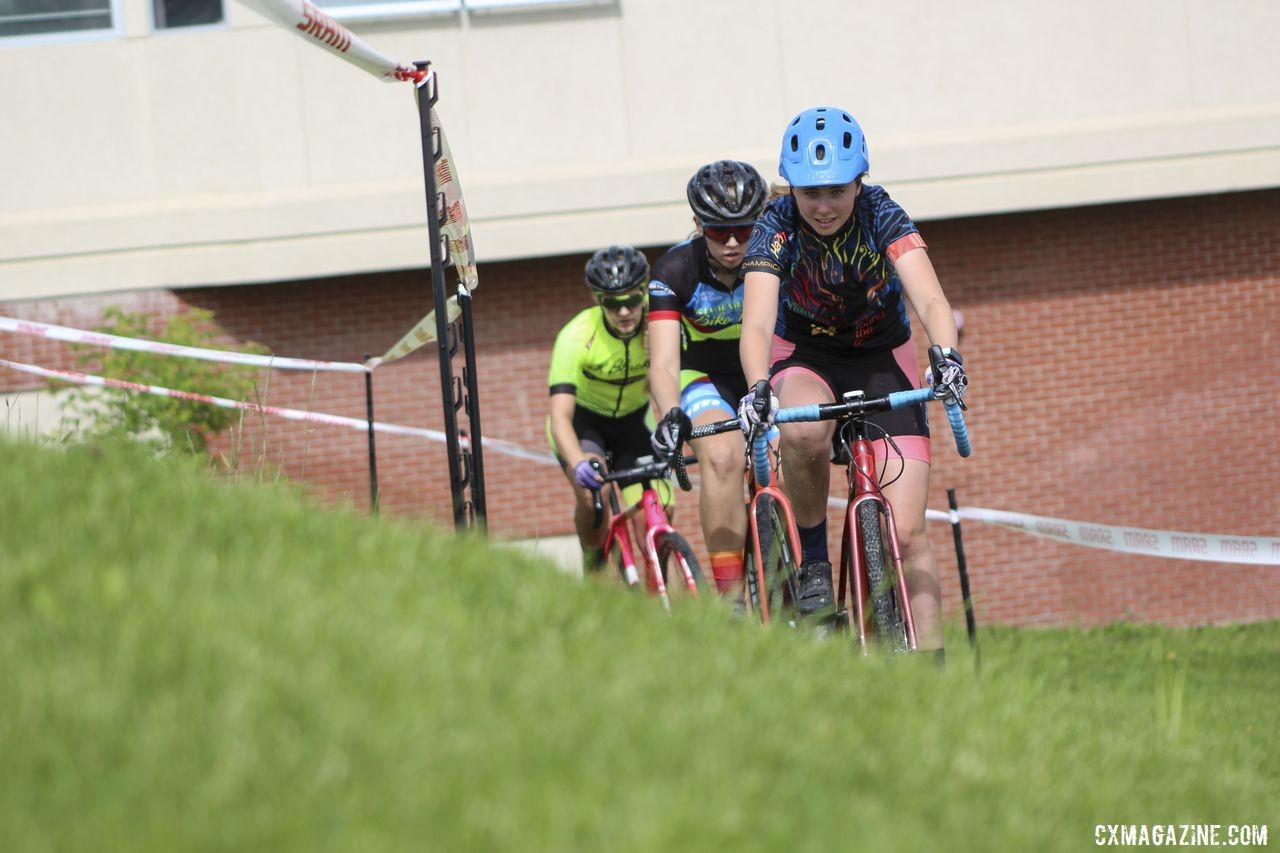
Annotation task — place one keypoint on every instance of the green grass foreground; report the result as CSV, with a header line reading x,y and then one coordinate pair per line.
x,y
189,665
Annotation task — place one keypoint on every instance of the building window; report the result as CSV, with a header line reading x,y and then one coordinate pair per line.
x,y
171,14
43,17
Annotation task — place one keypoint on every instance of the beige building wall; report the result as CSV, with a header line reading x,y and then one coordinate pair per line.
x,y
241,153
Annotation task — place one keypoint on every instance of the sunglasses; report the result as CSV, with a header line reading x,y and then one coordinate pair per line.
x,y
722,233
613,303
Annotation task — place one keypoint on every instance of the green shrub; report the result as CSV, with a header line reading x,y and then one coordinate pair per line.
x,y
166,424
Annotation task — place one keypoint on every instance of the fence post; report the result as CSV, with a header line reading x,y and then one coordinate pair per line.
x,y
373,448
970,622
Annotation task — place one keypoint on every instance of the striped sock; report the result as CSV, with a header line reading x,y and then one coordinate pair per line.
x,y
726,568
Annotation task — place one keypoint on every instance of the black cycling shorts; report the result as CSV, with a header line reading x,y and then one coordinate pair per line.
x,y
877,372
625,439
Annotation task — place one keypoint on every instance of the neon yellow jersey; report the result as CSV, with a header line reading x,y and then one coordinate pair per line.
x,y
607,374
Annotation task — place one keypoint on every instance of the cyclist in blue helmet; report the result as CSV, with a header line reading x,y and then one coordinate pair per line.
x,y
830,270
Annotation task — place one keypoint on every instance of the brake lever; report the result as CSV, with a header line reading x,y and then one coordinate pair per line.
x,y
597,499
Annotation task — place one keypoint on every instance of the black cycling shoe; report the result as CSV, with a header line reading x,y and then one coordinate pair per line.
x,y
817,596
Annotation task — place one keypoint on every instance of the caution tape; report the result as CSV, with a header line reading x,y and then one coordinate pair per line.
x,y
505,447
306,20
323,31
80,336
1206,547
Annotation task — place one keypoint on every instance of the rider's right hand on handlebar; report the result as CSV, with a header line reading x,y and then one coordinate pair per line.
x,y
585,475
670,434
757,408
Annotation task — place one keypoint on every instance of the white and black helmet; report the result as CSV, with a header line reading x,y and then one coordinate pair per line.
x,y
727,191
617,269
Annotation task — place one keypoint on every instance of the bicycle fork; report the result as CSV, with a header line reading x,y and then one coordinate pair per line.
x,y
656,525
864,488
620,531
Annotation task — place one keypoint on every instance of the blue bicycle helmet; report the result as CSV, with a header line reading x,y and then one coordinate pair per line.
x,y
823,146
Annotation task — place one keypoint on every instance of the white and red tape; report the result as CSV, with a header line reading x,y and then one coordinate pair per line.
x,y
1207,547
80,336
73,377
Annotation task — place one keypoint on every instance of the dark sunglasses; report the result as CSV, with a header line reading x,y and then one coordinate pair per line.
x,y
722,233
613,303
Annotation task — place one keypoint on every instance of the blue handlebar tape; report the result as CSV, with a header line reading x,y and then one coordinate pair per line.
x,y
902,399
760,458
798,413
958,428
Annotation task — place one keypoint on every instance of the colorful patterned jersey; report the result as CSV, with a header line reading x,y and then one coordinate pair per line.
x,y
840,290
683,287
604,372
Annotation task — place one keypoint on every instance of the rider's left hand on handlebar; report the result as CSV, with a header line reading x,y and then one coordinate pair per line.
x,y
671,433
953,382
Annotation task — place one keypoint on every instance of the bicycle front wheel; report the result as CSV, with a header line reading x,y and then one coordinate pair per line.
x,y
886,611
773,561
673,550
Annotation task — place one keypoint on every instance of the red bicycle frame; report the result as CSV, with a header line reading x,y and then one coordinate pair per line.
x,y
655,527
864,487
754,546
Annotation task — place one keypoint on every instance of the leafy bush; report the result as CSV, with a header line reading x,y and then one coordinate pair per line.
x,y
166,424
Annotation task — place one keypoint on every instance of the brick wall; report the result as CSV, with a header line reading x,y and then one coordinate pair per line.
x,y
1122,360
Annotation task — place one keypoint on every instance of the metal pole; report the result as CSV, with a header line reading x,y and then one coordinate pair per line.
x,y
373,448
427,98
473,407
970,622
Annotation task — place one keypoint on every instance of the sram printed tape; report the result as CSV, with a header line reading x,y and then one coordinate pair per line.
x,y
101,339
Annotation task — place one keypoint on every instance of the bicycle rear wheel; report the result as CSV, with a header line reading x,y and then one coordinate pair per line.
x,y
773,565
674,550
886,611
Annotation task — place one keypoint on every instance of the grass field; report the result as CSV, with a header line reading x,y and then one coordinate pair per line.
x,y
191,665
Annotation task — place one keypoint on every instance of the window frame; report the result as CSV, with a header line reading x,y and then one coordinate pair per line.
x,y
194,28
497,7
391,10
115,8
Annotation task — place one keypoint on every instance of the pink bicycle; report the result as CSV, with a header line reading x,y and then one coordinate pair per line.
x,y
662,544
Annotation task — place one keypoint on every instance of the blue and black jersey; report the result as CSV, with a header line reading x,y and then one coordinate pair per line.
x,y
683,287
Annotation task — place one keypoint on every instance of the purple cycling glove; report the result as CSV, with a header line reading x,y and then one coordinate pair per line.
x,y
586,476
